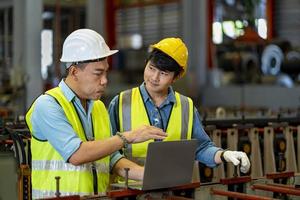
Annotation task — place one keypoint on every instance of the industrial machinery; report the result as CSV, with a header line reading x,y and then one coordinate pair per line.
x,y
15,161
276,62
271,142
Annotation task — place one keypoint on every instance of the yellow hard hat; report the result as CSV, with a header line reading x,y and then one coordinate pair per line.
x,y
176,49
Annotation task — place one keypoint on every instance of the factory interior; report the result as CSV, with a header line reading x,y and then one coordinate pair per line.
x,y
243,76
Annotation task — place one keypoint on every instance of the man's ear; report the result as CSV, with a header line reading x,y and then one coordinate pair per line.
x,y
73,70
175,78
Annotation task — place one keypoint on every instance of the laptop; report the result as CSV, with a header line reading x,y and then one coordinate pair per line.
x,y
168,164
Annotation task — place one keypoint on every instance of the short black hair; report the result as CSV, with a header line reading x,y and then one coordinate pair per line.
x,y
80,65
164,62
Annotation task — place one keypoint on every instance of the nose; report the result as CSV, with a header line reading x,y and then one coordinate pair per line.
x,y
155,75
104,80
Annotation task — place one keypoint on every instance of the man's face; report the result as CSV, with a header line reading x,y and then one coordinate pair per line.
x,y
91,80
156,80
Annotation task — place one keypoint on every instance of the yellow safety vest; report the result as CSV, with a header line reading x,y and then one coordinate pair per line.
x,y
133,114
47,162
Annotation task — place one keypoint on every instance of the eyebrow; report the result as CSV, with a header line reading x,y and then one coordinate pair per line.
x,y
151,64
99,70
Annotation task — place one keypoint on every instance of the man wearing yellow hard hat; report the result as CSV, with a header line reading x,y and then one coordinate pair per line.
x,y
155,103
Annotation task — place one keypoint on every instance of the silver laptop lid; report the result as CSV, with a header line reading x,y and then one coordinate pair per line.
x,y
169,164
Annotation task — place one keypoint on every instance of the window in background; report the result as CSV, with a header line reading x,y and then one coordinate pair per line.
x,y
141,23
60,18
232,17
262,28
46,51
217,33
150,21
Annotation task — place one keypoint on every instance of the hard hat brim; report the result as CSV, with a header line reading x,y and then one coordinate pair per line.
x,y
111,52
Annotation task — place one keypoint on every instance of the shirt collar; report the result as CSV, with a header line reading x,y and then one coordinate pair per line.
x,y
170,98
69,94
67,91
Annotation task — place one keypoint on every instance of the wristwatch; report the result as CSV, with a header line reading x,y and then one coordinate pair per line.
x,y
123,138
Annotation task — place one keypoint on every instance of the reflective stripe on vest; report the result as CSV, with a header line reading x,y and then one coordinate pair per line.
x,y
47,163
63,166
132,115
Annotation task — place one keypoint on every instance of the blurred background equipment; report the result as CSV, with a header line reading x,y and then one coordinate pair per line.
x,y
272,58
243,75
232,45
15,159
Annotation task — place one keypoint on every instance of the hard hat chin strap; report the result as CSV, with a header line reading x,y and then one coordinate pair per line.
x,y
68,64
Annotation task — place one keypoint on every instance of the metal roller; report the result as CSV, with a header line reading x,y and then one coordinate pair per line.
x,y
284,80
272,58
291,63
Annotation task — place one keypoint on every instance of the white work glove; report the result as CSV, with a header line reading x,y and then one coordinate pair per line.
x,y
237,157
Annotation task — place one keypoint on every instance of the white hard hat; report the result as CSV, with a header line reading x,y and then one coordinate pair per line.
x,y
84,45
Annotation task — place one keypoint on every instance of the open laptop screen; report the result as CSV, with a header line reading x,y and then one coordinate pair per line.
x,y
168,164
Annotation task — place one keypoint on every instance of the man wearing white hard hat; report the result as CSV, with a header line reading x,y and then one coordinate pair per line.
x,y
70,127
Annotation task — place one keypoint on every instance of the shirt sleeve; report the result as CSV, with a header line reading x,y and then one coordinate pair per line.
x,y
113,111
50,123
114,158
206,150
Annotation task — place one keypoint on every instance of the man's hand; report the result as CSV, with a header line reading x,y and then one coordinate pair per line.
x,y
136,171
237,157
144,133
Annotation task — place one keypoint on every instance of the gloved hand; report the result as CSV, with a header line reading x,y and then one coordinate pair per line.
x,y
237,157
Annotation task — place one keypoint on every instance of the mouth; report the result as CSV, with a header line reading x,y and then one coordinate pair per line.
x,y
153,84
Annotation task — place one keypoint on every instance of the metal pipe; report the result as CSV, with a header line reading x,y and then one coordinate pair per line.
x,y
282,185
278,175
238,195
277,189
126,176
57,193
